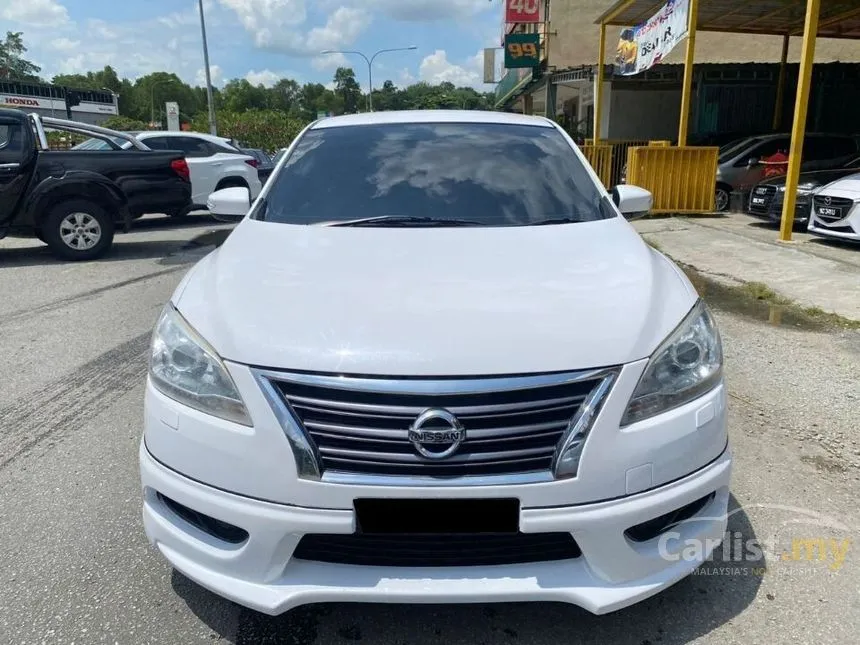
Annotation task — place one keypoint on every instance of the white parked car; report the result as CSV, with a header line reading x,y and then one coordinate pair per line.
x,y
836,210
214,162
435,363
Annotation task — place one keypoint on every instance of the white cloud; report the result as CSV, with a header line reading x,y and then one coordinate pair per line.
x,y
265,77
65,44
104,30
342,28
187,18
332,61
37,13
436,68
270,21
216,74
428,10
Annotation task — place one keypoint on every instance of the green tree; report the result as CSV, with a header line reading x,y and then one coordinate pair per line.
x,y
12,61
239,95
348,89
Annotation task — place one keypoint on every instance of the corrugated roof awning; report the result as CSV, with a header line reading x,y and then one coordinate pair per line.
x,y
838,18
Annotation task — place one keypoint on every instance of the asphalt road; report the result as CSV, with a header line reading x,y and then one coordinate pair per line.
x,y
75,566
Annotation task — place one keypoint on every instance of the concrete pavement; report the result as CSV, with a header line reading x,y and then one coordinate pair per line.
x,y
737,248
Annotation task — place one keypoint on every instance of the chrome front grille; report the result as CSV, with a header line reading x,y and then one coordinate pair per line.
x,y
360,426
765,193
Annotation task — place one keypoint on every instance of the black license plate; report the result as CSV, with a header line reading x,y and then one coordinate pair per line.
x,y
829,211
758,201
437,516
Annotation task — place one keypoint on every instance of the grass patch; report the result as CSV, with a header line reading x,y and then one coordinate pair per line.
x,y
759,301
760,291
831,318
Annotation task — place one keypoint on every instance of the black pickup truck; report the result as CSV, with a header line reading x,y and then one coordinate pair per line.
x,y
74,201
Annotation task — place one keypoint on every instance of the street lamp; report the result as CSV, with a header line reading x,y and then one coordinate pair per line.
x,y
115,96
369,62
164,81
213,128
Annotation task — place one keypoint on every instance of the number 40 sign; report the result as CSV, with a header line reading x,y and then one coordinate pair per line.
x,y
522,10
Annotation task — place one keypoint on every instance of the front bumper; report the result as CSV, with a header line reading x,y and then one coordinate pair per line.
x,y
612,572
847,229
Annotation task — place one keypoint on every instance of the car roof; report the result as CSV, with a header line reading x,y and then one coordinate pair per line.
x,y
431,116
173,133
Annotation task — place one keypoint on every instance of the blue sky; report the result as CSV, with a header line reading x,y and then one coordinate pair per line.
x,y
261,40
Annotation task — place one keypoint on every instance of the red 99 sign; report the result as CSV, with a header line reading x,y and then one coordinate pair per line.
x,y
522,10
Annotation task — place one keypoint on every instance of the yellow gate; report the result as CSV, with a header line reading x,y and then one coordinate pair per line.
x,y
682,180
600,158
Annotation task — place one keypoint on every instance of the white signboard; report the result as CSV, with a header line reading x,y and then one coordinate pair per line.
x,y
490,65
172,110
30,102
645,45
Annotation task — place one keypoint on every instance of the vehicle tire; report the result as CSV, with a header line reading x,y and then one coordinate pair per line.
x,y
181,214
78,229
722,199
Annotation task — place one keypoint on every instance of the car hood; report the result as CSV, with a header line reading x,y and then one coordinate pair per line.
x,y
846,187
437,301
821,176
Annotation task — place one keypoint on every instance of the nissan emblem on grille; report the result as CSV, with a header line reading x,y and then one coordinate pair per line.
x,y
436,434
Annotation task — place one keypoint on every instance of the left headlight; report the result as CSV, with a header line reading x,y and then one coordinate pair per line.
x,y
183,366
686,365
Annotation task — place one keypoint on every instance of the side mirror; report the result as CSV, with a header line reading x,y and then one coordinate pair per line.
x,y
632,201
229,204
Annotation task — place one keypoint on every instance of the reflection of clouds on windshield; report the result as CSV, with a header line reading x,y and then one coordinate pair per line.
x,y
306,145
492,159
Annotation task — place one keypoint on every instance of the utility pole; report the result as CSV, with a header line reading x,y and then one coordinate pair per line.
x,y
213,127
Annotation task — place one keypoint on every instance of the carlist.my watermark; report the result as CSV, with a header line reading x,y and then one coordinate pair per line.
x,y
803,537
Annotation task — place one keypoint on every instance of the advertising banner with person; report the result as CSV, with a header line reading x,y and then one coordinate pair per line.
x,y
645,45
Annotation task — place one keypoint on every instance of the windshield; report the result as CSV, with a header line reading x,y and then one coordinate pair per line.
x,y
729,150
486,174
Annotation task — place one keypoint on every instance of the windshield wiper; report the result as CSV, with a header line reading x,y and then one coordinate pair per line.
x,y
404,220
554,220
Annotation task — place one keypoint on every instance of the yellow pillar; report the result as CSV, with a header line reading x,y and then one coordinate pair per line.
x,y
780,88
689,60
598,91
798,130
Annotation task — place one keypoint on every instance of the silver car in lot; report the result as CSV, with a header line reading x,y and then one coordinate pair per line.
x,y
740,165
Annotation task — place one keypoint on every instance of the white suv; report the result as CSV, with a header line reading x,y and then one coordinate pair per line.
x,y
434,363
215,163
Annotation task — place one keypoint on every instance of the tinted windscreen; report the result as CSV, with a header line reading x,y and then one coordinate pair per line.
x,y
491,174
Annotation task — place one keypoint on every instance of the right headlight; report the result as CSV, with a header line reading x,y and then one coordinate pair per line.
x,y
183,366
686,365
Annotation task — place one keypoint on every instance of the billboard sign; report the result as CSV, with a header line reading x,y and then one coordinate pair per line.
x,y
522,50
522,11
172,110
41,103
490,65
647,44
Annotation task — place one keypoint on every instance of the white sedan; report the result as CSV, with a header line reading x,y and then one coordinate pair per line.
x,y
435,363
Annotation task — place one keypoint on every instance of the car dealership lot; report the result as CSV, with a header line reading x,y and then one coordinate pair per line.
x,y
77,568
